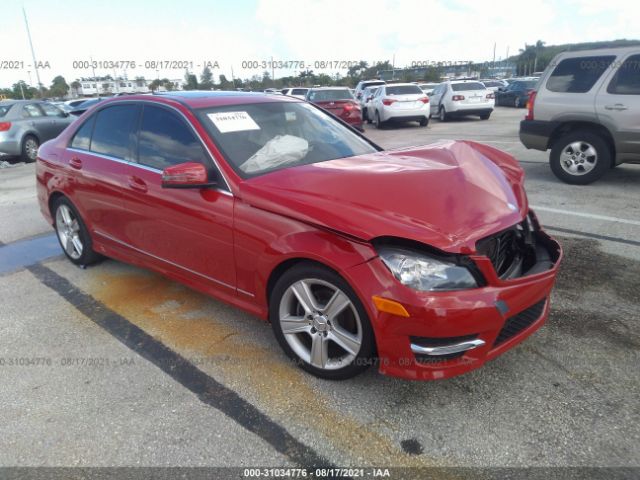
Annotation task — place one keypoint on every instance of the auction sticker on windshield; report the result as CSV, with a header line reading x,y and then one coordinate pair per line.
x,y
233,121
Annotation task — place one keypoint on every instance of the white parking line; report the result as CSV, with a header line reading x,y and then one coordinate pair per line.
x,y
586,215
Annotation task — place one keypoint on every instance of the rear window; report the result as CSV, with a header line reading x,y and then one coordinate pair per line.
x,y
463,87
371,84
299,91
4,109
528,84
578,75
329,95
627,78
404,90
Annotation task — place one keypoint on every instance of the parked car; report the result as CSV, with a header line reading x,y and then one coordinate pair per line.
x,y
348,250
428,87
399,102
298,92
494,85
457,98
75,102
364,84
339,102
272,91
516,94
25,124
586,110
82,107
365,102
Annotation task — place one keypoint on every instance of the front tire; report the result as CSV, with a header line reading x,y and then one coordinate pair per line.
x,y
580,157
320,322
29,151
72,233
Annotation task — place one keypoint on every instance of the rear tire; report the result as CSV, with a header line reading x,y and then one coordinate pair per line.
x,y
443,115
485,116
378,123
29,151
580,157
517,103
424,122
332,340
72,233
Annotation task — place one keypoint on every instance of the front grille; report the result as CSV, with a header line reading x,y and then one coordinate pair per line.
x,y
523,320
509,250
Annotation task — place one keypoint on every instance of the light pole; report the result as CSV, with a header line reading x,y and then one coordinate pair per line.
x,y
33,53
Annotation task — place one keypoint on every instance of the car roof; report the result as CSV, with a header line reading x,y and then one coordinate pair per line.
x,y
204,99
464,81
401,85
329,88
600,51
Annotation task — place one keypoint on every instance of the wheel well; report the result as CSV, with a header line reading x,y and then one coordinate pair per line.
x,y
52,199
280,269
596,128
30,134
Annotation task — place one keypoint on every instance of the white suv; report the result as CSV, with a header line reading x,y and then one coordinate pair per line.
x,y
461,97
399,102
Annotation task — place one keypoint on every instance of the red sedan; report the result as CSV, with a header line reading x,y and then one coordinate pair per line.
x,y
425,261
340,102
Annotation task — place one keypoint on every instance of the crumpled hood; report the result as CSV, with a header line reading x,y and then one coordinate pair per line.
x,y
447,195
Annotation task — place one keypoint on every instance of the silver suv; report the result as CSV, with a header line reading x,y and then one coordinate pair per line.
x,y
587,111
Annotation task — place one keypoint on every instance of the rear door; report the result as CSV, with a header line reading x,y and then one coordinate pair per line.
x,y
96,158
618,107
189,231
36,121
56,118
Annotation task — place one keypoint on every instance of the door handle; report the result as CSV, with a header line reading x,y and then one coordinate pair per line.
x,y
617,106
138,184
76,163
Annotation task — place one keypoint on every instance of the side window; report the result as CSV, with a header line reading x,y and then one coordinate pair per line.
x,y
51,110
31,110
627,79
114,131
82,138
578,75
166,140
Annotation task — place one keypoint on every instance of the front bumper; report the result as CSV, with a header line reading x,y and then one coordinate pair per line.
x,y
466,327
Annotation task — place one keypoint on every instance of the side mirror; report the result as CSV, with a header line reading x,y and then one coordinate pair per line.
x,y
186,175
359,96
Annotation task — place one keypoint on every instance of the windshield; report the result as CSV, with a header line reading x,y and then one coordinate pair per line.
x,y
263,137
461,87
404,90
329,95
4,109
493,84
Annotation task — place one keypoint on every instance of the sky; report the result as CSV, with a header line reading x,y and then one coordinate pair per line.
x,y
233,32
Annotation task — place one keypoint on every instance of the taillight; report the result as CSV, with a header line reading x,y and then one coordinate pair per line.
x,y
424,99
4,126
387,101
457,98
532,99
351,106
491,95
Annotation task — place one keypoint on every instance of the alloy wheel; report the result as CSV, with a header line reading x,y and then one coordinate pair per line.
x,y
68,230
31,147
320,324
578,158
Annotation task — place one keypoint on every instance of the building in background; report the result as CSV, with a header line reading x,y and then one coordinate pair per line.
x,y
107,86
